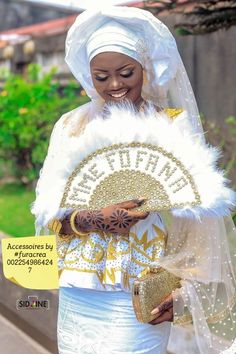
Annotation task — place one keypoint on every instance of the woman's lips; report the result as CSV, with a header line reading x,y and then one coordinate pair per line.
x,y
119,94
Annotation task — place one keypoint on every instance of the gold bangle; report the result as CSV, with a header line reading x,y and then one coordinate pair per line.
x,y
72,224
55,225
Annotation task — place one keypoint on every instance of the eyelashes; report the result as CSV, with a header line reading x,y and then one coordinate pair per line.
x,y
125,75
99,78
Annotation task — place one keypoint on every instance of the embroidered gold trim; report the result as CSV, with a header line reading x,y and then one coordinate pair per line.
x,y
59,272
66,237
99,252
173,112
99,274
143,240
182,319
210,319
224,313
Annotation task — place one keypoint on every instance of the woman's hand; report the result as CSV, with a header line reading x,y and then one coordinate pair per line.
x,y
164,311
117,218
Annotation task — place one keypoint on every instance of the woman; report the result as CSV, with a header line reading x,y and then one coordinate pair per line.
x,y
127,55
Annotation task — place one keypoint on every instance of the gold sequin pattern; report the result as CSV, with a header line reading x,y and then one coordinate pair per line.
x,y
125,185
112,258
150,290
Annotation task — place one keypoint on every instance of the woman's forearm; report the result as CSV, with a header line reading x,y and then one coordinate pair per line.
x,y
80,222
117,219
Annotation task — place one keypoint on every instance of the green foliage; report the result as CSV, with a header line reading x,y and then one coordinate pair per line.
x,y
224,136
234,219
29,107
182,31
15,217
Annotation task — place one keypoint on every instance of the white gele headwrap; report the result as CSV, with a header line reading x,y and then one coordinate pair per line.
x,y
166,82
113,37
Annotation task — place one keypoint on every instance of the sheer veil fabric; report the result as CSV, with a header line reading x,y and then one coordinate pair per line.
x,y
201,251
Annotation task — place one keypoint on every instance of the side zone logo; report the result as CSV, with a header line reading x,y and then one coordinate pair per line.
x,y
32,303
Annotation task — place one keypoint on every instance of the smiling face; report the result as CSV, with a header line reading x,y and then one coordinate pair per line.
x,y
117,77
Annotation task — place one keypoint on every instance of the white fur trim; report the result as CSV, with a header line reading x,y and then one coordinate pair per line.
x,y
124,126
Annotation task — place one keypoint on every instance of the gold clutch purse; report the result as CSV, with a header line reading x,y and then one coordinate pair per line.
x,y
150,290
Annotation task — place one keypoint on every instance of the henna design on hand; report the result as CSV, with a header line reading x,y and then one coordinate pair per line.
x,y
66,220
121,219
95,218
82,221
107,227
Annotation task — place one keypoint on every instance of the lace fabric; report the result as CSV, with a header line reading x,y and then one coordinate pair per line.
x,y
198,251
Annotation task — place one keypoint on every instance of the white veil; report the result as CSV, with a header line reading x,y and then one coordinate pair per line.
x,y
166,82
203,252
198,252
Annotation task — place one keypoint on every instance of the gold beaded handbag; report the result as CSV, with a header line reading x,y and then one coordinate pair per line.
x,y
150,290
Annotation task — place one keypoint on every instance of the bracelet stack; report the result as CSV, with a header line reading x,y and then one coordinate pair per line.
x,y
55,225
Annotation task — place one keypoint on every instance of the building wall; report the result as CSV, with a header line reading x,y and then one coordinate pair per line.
x,y
209,61
14,14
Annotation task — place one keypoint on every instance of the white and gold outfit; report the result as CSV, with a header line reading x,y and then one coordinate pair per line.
x,y
192,246
111,262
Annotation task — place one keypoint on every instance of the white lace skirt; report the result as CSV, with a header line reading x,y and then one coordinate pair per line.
x,y
103,322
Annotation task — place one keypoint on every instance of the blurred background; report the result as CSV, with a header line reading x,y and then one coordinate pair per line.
x,y
36,88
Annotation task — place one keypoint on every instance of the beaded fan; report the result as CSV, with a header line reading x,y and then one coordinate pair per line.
x,y
170,169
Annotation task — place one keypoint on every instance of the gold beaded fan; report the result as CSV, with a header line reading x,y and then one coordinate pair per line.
x,y
122,172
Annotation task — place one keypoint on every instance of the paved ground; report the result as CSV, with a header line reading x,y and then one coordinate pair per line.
x,y
14,340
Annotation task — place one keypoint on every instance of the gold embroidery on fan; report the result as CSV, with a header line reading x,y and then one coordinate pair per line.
x,y
106,193
115,184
